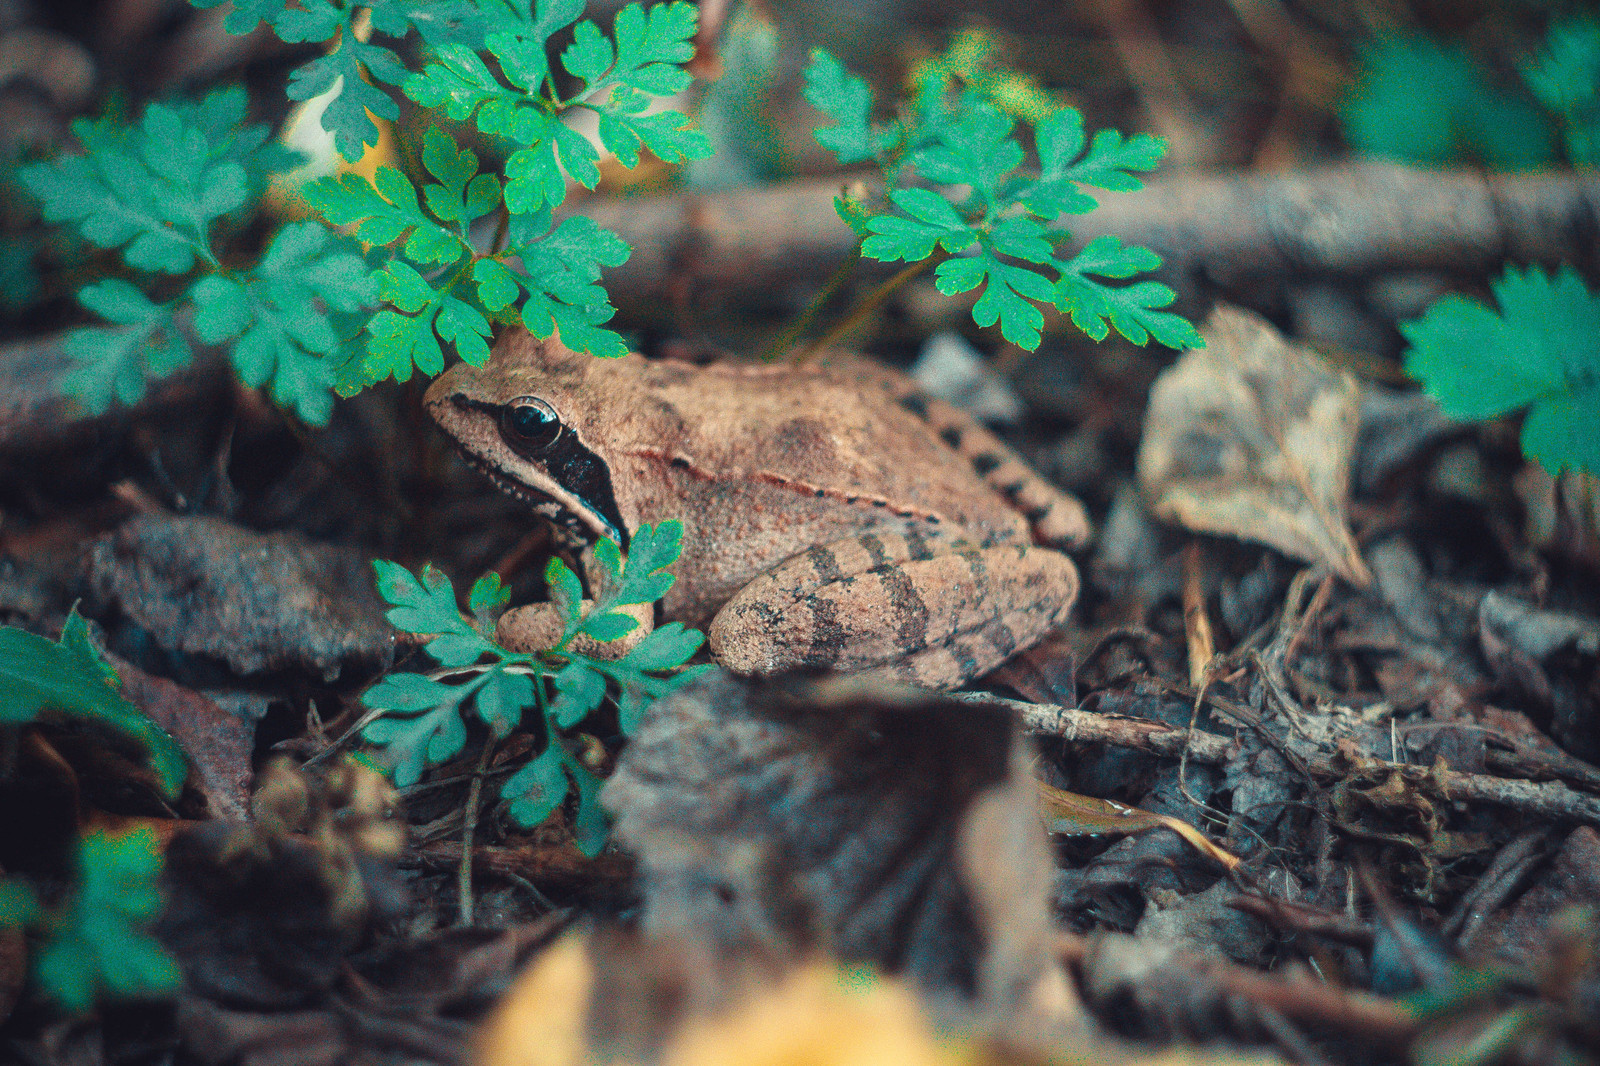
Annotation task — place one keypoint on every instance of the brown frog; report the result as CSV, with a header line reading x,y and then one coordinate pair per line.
x,y
834,516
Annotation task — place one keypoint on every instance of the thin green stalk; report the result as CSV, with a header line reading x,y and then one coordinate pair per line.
x,y
468,830
791,333
870,303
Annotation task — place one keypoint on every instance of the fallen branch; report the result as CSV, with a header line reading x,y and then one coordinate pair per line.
x,y
1340,220
1549,799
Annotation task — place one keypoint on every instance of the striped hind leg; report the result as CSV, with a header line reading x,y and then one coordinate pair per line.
x,y
935,609
1057,518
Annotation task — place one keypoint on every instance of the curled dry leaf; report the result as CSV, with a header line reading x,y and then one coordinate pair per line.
x,y
1075,815
1252,436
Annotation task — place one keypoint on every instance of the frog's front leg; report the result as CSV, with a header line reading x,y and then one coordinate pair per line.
x,y
932,609
538,626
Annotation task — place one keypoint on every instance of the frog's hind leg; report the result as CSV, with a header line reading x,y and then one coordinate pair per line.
x,y
933,608
1057,518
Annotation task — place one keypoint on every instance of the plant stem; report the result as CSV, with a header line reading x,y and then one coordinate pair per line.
x,y
468,828
870,303
500,230
791,333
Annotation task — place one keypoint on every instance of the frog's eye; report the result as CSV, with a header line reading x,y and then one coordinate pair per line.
x,y
529,424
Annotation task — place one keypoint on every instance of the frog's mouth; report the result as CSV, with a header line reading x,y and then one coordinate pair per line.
x,y
574,529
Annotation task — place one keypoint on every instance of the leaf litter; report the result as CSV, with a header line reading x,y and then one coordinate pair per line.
x,y
1384,842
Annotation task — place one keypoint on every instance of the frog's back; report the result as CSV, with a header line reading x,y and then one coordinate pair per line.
x,y
844,431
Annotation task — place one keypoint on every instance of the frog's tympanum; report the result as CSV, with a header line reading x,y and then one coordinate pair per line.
x,y
833,515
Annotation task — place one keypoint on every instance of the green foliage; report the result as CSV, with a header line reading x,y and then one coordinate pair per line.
x,y
442,291
164,190
425,721
1423,101
95,944
351,52
1565,77
70,678
617,76
969,59
1539,350
999,236
169,189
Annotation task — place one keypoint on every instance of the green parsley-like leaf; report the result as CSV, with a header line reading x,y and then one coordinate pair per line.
x,y
343,68
538,788
70,678
153,189
644,577
559,284
488,594
997,234
847,100
412,744
579,691
500,699
423,724
590,825
1565,76
1132,310
651,45
619,81
278,315
427,606
99,944
978,151
929,220
1422,101
117,362
1539,350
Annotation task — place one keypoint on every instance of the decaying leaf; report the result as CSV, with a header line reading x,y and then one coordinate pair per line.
x,y
892,826
259,601
262,914
1073,814
1252,436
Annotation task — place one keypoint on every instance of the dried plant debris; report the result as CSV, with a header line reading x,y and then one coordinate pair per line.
x,y
217,742
259,601
1552,660
885,824
1252,436
262,915
1572,879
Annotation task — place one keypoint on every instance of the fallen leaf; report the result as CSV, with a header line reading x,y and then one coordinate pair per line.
x,y
893,826
1252,437
259,601
1075,815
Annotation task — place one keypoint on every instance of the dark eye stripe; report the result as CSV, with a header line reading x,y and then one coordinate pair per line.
x,y
567,462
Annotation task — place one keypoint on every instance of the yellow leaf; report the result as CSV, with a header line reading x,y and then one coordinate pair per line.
x,y
819,1015
1076,815
540,1022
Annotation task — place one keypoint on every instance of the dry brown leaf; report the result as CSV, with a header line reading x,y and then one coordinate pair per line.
x,y
892,826
1077,815
1252,436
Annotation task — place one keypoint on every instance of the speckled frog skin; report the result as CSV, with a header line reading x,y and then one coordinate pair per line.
x,y
833,515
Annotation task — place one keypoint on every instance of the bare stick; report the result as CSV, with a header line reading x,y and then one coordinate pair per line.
x,y
1341,220
1549,799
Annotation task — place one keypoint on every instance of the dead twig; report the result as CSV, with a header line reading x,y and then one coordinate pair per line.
x,y
1547,799
1340,220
